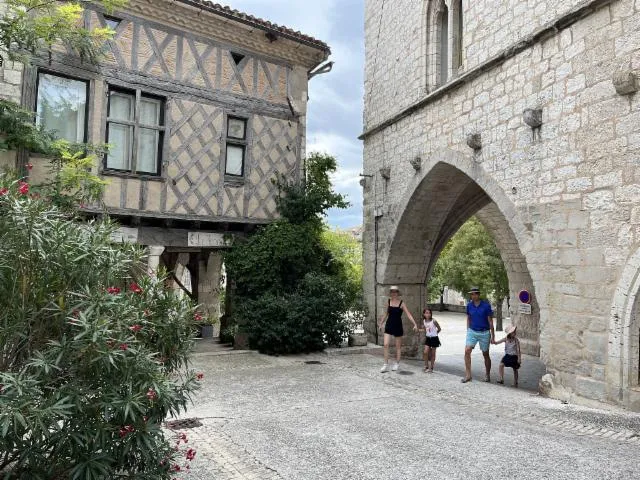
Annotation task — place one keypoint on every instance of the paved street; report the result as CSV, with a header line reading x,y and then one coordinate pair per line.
x,y
450,356
319,417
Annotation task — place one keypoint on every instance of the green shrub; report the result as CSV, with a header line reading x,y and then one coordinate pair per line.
x,y
301,321
93,353
289,292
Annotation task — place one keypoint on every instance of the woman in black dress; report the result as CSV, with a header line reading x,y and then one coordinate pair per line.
x,y
392,321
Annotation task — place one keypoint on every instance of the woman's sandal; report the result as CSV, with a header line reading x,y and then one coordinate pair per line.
x,y
465,380
501,382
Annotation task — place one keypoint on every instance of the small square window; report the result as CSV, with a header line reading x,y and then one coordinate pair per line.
x,y
237,128
236,146
112,22
235,160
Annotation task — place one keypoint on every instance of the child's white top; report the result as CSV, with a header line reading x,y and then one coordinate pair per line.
x,y
511,346
431,329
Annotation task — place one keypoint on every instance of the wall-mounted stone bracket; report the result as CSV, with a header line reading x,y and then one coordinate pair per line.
x,y
533,117
474,141
416,163
385,172
625,82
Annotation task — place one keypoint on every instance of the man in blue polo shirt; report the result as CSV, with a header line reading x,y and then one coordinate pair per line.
x,y
479,330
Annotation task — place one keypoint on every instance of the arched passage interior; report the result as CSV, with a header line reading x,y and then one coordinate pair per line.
x,y
433,211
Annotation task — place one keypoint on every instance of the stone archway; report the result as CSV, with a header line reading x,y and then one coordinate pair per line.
x,y
449,189
623,363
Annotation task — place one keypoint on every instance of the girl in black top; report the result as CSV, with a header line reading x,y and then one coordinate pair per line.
x,y
392,322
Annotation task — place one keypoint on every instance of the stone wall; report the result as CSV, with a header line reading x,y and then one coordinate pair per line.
x,y
565,201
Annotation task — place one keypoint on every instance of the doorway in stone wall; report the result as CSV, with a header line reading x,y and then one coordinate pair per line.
x,y
623,364
435,207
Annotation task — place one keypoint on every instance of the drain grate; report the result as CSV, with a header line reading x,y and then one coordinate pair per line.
x,y
314,362
184,423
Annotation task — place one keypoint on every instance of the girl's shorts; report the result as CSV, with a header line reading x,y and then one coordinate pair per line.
x,y
433,342
511,361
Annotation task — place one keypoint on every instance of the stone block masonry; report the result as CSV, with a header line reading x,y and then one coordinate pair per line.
x,y
561,200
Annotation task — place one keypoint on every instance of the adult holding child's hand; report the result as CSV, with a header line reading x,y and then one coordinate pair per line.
x,y
479,330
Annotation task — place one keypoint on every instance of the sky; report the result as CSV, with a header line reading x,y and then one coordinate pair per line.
x,y
334,118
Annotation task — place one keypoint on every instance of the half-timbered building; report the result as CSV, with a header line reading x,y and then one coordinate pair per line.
x,y
201,106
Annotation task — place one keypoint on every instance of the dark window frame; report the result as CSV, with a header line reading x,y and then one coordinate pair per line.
x,y
111,18
87,83
236,142
138,95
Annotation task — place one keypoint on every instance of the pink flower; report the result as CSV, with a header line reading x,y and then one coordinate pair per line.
x,y
191,454
135,288
23,188
152,394
199,375
123,433
29,166
176,467
183,437
123,346
3,191
197,317
113,290
145,419
135,328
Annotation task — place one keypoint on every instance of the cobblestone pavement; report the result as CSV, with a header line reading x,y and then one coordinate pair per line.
x,y
294,418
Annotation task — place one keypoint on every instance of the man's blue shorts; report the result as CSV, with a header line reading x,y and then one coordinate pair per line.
x,y
483,337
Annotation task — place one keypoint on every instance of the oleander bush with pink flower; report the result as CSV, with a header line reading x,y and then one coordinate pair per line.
x,y
94,354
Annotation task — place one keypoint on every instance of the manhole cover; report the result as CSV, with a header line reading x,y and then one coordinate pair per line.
x,y
184,423
314,362
405,372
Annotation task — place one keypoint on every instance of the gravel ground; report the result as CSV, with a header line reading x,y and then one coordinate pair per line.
x,y
282,417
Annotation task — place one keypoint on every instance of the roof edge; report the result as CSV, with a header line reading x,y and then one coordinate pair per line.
x,y
258,23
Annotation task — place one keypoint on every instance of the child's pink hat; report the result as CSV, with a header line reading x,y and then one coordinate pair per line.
x,y
510,329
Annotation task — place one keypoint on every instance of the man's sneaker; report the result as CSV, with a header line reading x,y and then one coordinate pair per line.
x,y
385,368
395,366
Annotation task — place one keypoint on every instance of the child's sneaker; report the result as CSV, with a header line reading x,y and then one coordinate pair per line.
x,y
395,366
385,368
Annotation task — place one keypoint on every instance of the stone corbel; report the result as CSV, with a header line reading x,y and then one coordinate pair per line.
x,y
474,141
533,117
385,172
625,82
416,163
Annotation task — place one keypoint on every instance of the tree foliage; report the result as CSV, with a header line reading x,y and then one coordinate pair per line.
x,y
307,202
470,258
290,293
28,27
346,254
93,353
